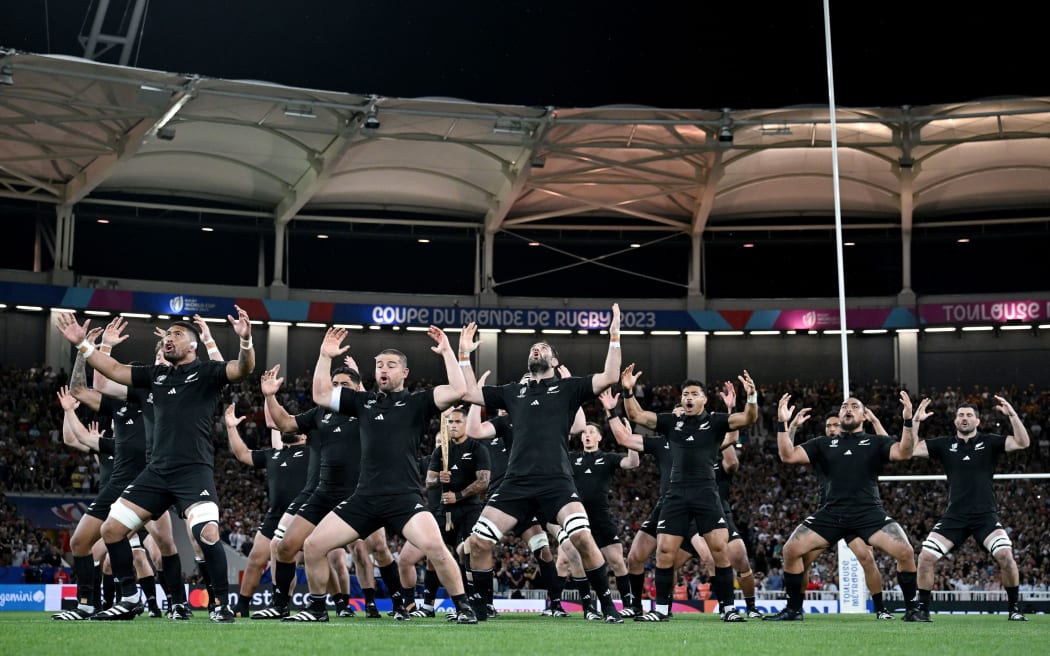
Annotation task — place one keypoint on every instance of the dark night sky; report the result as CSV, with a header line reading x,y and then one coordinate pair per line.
x,y
698,54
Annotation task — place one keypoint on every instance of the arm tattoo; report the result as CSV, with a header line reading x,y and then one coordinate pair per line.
x,y
477,486
79,377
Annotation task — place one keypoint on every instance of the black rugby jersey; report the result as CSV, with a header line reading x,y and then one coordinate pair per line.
x,y
724,480
970,467
660,449
336,439
499,450
543,413
392,427
286,471
184,403
129,435
465,460
851,463
593,471
144,399
695,443
106,458
433,494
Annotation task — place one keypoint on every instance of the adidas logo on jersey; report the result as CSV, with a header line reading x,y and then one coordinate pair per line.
x,y
171,391
379,417
535,403
454,467
587,471
689,439
966,457
129,422
848,452
284,464
204,493
338,429
419,506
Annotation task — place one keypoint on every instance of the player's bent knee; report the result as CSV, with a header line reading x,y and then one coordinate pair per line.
x,y
125,515
538,541
933,549
995,545
576,523
487,531
203,519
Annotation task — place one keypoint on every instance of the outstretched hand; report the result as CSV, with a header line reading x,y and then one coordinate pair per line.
x,y
231,418
608,399
67,400
729,396
66,322
1003,406
467,345
112,335
331,346
202,326
242,325
629,378
269,383
441,344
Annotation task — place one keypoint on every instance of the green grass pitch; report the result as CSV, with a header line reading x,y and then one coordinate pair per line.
x,y
987,635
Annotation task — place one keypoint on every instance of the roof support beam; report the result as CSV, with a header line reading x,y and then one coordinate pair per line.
x,y
313,178
128,143
515,178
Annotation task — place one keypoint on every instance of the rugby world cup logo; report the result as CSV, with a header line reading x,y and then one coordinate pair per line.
x,y
176,304
809,319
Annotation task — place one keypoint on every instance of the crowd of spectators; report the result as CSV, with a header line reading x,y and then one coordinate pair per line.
x,y
770,497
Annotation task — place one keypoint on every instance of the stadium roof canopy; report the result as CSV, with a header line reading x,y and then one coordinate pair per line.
x,y
76,131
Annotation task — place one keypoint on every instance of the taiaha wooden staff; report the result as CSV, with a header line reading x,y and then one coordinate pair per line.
x,y
444,467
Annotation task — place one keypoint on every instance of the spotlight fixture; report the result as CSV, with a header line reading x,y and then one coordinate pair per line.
x,y
7,76
299,111
154,96
372,119
725,135
166,133
511,125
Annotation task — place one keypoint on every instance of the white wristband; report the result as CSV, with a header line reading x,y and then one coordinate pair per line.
x,y
752,397
213,350
464,363
246,344
614,344
86,348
